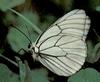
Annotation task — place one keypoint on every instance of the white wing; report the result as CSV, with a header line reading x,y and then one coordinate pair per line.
x,y
62,47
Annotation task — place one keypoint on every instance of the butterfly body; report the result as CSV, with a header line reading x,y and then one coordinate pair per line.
x,y
62,48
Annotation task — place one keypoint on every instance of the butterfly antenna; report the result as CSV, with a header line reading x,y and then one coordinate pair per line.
x,y
22,33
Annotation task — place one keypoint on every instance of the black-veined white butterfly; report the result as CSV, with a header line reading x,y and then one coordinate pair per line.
x,y
62,48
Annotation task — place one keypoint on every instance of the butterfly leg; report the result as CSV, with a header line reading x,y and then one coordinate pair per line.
x,y
21,51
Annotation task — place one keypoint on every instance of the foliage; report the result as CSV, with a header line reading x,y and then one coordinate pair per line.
x,y
18,41
86,75
94,4
6,4
7,75
22,42
66,4
93,52
40,75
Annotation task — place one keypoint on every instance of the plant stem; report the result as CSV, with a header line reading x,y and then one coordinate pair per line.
x,y
96,34
9,60
21,69
28,21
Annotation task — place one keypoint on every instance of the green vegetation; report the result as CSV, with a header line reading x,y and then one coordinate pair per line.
x,y
38,16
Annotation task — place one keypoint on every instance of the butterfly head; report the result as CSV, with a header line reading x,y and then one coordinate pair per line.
x,y
34,50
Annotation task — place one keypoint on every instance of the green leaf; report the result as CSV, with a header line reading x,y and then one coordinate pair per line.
x,y
40,75
28,72
94,4
6,75
24,71
93,52
85,75
9,19
21,69
98,8
30,15
28,21
66,4
16,39
7,4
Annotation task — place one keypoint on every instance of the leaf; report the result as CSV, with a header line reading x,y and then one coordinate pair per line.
x,y
93,52
30,15
24,71
40,75
7,4
28,76
66,4
6,75
21,69
98,8
16,39
26,20
9,19
94,3
85,75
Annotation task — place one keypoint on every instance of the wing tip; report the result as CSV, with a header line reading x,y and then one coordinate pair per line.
x,y
79,10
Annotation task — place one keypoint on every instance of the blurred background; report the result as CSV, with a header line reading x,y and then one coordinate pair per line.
x,y
20,67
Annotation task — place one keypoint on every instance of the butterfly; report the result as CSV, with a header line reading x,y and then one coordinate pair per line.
x,y
62,47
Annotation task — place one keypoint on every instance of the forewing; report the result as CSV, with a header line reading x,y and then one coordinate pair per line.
x,y
62,47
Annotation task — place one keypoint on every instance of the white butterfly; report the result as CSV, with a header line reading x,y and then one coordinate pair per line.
x,y
62,47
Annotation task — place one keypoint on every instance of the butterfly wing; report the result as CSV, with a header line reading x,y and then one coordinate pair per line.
x,y
62,47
